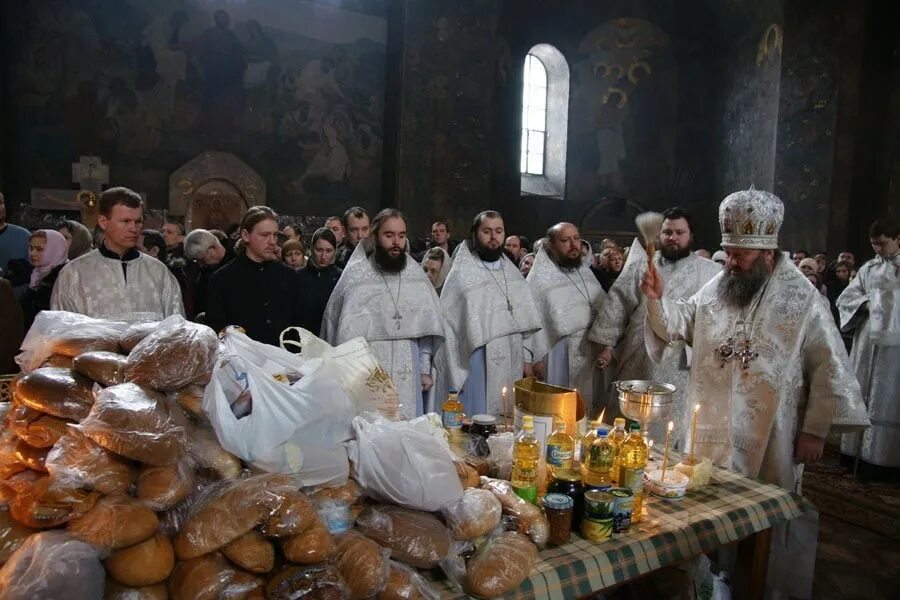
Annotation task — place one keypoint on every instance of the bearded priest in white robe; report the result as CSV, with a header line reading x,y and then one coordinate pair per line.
x,y
870,307
619,326
490,310
384,296
769,370
568,296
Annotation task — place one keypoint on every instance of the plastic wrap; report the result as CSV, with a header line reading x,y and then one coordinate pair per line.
x,y
144,563
500,458
135,333
363,564
209,454
33,458
190,399
474,515
51,565
173,520
348,493
468,476
117,591
313,582
55,391
312,546
67,334
36,428
34,505
115,522
530,520
251,552
227,511
404,462
178,353
12,535
138,424
210,577
293,516
161,488
106,368
500,566
405,583
77,462
415,538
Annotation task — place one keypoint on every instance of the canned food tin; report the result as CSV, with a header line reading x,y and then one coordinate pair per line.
x,y
624,500
598,505
596,530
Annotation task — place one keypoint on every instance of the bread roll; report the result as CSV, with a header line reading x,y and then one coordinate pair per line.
x,y
77,462
322,582
474,515
190,399
202,578
531,520
468,476
173,357
78,340
209,454
244,586
12,535
136,423
117,591
294,516
312,546
37,506
349,493
405,584
252,552
136,332
58,392
146,563
500,566
106,368
115,522
33,458
161,488
362,562
35,428
415,538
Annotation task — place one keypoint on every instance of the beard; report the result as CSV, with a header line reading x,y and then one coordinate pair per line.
x,y
738,291
674,253
488,254
391,264
568,263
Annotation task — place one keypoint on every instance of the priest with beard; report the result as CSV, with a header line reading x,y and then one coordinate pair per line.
x,y
490,310
568,296
619,326
384,296
769,370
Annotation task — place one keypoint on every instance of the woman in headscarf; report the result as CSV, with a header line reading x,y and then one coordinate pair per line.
x,y
436,263
48,253
77,236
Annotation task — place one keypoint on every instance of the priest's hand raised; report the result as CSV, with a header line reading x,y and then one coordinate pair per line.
x,y
427,382
809,448
652,284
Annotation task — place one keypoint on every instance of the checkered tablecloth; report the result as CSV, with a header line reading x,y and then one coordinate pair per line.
x,y
731,508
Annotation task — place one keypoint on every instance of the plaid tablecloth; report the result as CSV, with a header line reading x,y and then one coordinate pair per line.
x,y
731,508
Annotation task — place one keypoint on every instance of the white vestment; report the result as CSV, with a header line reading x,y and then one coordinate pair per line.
x,y
366,303
97,286
870,305
485,352
620,324
568,300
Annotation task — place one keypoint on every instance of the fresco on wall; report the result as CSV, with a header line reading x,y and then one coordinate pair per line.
x,y
295,89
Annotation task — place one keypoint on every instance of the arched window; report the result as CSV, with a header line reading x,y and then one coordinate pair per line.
x,y
545,117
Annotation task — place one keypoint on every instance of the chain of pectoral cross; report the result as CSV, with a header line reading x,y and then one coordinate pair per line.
x,y
396,316
503,291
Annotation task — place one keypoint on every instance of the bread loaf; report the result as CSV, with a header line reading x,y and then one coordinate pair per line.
x,y
161,488
37,506
294,516
312,546
33,458
348,493
78,340
173,356
500,566
106,368
145,563
415,538
136,332
202,578
190,399
115,522
117,591
252,552
244,586
468,476
319,582
136,423
35,428
12,535
531,521
58,360
405,584
474,515
55,391
362,562
77,462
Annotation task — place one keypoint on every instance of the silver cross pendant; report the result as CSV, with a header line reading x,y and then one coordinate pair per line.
x,y
397,318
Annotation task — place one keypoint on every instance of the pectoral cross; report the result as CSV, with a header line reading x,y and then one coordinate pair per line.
x,y
509,306
743,352
397,318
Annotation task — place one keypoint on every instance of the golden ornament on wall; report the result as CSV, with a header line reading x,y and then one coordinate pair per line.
x,y
769,44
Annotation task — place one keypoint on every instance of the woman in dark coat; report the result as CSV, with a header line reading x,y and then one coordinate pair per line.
x,y
317,279
48,252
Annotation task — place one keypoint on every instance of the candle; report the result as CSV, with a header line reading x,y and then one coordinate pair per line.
x,y
694,430
666,449
600,418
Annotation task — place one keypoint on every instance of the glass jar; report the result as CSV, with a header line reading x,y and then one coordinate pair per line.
x,y
559,508
483,425
569,483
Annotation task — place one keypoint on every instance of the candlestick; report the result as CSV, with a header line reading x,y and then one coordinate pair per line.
x,y
666,450
507,413
694,430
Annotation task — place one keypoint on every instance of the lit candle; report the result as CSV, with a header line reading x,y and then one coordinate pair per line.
x,y
600,418
694,430
506,411
666,449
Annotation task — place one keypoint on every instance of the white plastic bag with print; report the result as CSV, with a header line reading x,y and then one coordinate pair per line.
x,y
280,412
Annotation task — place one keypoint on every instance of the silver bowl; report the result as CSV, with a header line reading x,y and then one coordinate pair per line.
x,y
645,401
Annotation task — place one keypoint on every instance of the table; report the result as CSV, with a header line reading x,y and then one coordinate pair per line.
x,y
732,508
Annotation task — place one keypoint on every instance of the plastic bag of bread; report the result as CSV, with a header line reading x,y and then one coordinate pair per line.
x,y
33,458
500,566
252,552
77,462
35,428
362,562
58,360
145,563
415,538
106,368
115,522
190,399
37,506
55,391
530,520
314,582
349,493
116,591
312,546
229,510
405,583
66,334
136,423
161,488
474,515
468,476
12,535
51,565
209,454
135,333
211,577
294,515
178,353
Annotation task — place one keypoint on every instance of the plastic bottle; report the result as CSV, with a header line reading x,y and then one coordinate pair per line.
x,y
600,461
633,460
452,412
560,449
616,437
526,454
585,444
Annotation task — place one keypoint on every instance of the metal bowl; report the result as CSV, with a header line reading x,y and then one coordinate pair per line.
x,y
645,401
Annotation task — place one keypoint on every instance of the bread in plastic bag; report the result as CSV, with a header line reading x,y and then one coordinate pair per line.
x,y
468,476
313,582
37,506
209,454
312,546
117,591
500,458
178,353
190,399
115,522
33,458
75,461
161,488
210,577
500,566
51,565
58,360
106,368
362,562
35,428
531,521
251,552
137,423
404,583
12,535
349,493
416,538
404,462
474,515
55,391
145,563
293,516
135,333
67,334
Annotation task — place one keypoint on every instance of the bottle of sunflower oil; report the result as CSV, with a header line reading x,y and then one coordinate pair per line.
x,y
526,454
633,460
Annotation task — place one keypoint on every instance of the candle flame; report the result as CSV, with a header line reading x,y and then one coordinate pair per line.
x,y
650,444
697,407
503,391
671,425
602,412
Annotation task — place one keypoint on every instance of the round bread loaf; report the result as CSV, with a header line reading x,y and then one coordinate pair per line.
x,y
349,493
294,516
173,357
405,584
38,506
106,368
310,547
115,522
78,340
161,488
77,462
35,428
58,392
136,332
322,582
474,515
500,566
467,474
202,578
116,591
190,399
33,458
145,563
362,562
415,538
252,552
12,535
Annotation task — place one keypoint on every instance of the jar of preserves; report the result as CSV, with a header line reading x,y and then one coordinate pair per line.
x,y
569,483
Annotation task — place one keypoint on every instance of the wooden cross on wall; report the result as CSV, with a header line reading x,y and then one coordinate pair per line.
x,y
90,174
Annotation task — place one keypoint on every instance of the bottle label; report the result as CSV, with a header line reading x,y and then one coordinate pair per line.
x,y
633,479
451,419
558,457
528,493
